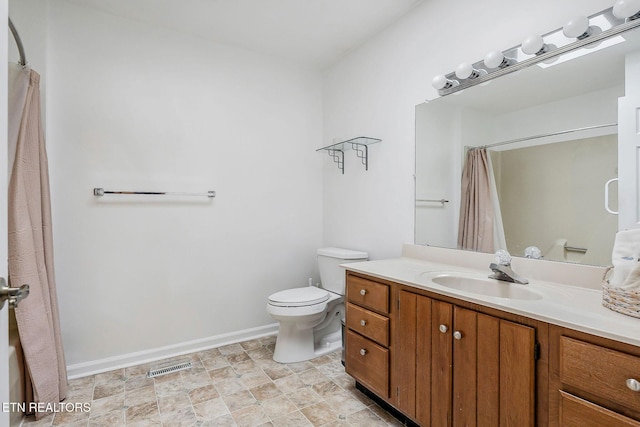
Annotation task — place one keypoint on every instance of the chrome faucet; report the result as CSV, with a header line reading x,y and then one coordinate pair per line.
x,y
502,269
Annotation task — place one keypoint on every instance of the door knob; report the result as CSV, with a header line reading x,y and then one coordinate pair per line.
x,y
13,295
457,335
443,328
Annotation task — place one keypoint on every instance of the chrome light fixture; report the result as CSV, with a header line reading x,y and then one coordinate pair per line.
x,y
580,32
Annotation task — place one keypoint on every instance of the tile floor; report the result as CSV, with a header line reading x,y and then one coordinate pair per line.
x,y
235,385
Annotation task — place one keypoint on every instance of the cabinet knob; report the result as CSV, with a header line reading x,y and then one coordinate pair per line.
x,y
443,328
363,352
457,335
363,323
633,384
363,292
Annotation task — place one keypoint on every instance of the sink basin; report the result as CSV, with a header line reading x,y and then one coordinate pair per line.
x,y
477,284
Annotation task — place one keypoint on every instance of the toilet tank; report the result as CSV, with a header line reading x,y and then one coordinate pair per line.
x,y
331,274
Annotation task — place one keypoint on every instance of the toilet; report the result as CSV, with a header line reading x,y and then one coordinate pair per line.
x,y
311,317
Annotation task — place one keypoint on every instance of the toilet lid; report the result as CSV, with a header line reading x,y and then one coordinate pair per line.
x,y
299,297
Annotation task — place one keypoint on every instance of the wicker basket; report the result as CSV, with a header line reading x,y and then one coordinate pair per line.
x,y
620,300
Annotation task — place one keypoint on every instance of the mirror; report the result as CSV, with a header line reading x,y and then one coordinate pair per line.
x,y
551,135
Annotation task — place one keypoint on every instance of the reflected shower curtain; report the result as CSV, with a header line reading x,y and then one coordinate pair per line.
x,y
31,243
475,230
499,238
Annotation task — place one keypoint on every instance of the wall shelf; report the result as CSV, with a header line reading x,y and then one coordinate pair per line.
x,y
359,144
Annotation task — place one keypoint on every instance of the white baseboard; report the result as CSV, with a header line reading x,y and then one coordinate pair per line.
x,y
131,359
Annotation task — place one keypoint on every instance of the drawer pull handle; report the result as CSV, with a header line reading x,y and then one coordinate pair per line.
x,y
363,323
457,335
633,384
443,328
363,292
363,352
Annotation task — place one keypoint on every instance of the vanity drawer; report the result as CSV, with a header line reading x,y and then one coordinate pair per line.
x,y
368,363
368,323
578,412
599,371
368,294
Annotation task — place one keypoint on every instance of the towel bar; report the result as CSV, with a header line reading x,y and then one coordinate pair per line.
x,y
98,192
443,201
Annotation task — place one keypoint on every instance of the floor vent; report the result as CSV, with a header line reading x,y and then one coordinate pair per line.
x,y
168,369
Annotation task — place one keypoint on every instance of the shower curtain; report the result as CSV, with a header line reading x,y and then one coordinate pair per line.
x,y
475,231
30,241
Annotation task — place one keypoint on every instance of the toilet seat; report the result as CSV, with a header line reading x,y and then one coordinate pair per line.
x,y
299,297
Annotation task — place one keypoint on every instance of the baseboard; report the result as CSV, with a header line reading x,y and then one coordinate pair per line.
x,y
131,359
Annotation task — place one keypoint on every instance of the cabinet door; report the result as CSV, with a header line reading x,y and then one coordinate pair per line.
x,y
493,371
424,333
406,352
517,374
465,366
488,406
441,365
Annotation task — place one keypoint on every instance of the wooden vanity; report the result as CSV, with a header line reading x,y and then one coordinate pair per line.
x,y
443,361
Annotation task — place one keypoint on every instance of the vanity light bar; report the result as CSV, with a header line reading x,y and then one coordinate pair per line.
x,y
601,26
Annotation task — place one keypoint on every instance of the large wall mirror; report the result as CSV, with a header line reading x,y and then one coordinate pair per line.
x,y
551,134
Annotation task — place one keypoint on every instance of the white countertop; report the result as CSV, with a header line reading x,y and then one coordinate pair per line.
x,y
563,304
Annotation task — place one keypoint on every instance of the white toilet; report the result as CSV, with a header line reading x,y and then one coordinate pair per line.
x,y
311,317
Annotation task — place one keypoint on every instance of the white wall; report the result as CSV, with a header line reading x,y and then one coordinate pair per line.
x,y
374,91
138,107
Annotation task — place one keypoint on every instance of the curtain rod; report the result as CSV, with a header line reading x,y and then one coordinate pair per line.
x,y
544,135
16,37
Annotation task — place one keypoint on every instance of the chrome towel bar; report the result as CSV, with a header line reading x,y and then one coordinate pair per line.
x,y
101,192
443,201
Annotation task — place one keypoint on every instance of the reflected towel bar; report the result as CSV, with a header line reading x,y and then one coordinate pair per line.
x,y
443,201
101,192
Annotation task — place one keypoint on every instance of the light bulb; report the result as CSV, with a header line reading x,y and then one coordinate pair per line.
x,y
623,9
495,59
465,71
533,45
577,28
442,82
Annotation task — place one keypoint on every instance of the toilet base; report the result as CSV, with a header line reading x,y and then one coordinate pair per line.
x,y
292,347
297,344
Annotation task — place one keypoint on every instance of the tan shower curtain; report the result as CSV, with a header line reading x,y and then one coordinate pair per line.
x,y
475,231
31,253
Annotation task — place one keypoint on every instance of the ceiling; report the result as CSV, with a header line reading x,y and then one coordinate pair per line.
x,y
313,32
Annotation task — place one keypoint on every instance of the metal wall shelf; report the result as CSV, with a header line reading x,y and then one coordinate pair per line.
x,y
359,144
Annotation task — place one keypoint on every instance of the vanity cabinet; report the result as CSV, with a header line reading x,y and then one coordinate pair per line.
x,y
437,361
595,382
367,335
470,369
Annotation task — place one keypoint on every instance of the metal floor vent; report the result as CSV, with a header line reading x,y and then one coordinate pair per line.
x,y
168,369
